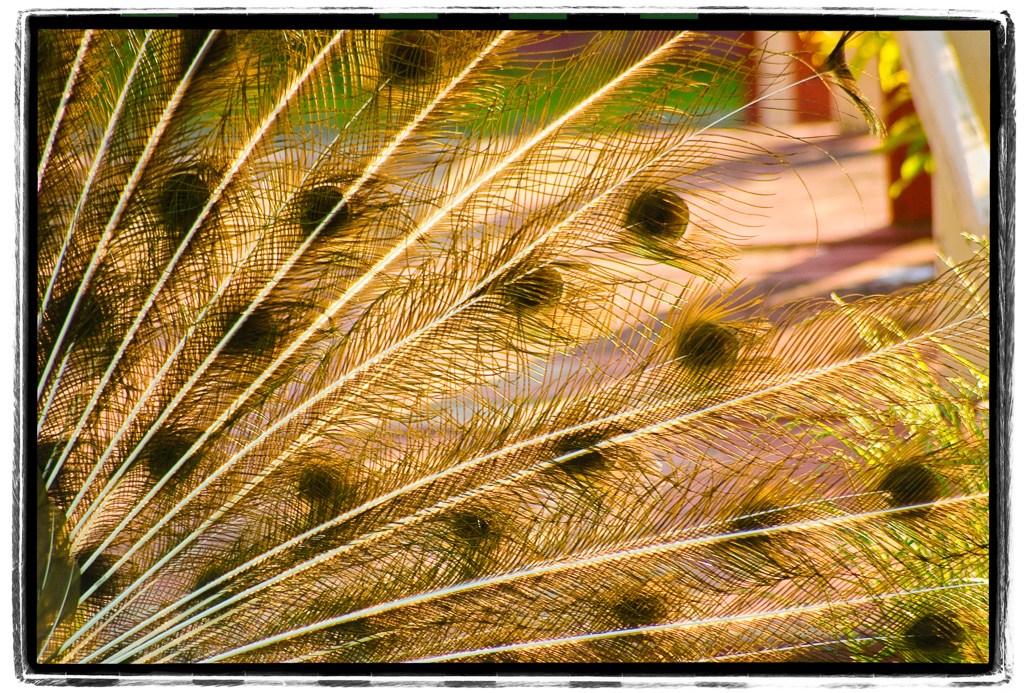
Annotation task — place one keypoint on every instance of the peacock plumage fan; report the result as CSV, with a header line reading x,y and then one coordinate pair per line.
x,y
380,346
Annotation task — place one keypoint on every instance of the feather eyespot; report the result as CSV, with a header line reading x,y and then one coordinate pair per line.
x,y
92,573
936,634
182,198
164,450
759,557
912,483
355,641
92,323
592,461
470,538
326,492
261,331
659,214
46,452
209,574
754,517
706,346
408,56
536,290
316,204
637,610
473,529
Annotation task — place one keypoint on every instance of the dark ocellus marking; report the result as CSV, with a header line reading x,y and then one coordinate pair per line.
x,y
181,200
408,56
659,214
706,347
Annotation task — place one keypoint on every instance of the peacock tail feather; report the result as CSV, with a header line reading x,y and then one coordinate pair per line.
x,y
380,346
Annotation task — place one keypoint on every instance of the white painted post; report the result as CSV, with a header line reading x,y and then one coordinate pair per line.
x,y
956,136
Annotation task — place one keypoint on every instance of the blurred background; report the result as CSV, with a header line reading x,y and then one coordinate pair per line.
x,y
873,214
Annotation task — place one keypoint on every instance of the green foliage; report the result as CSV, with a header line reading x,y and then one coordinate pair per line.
x,y
907,131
